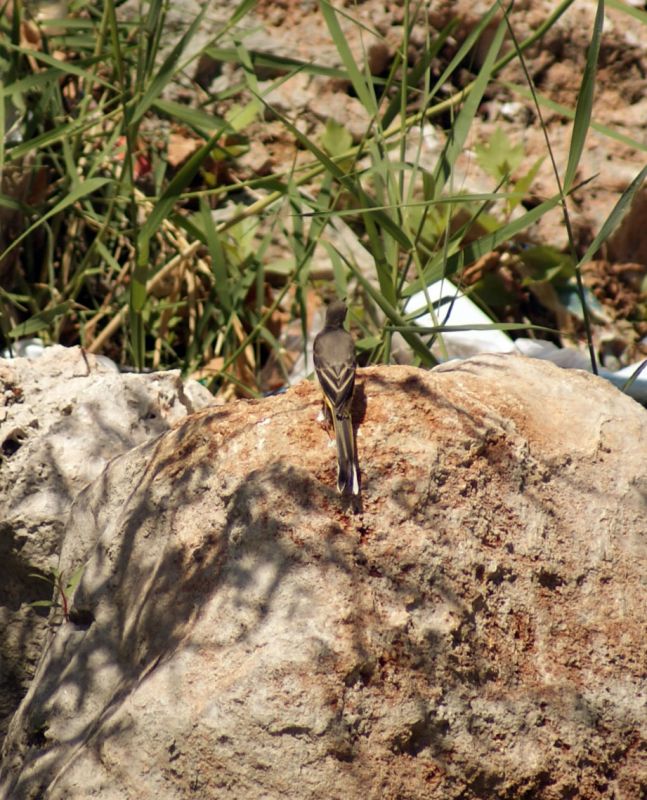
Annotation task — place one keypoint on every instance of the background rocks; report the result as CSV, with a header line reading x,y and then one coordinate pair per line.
x,y
59,427
475,630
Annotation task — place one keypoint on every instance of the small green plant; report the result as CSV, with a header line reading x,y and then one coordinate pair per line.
x,y
500,158
62,591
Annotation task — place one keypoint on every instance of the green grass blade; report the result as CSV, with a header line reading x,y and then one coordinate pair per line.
x,y
241,11
493,326
464,49
363,87
438,267
614,217
167,70
636,13
412,339
632,378
137,337
160,211
418,70
584,101
205,124
276,63
349,184
568,113
152,29
82,190
462,126
218,259
59,67
3,129
49,138
39,321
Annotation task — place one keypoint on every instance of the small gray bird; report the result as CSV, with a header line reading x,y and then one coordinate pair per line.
x,y
334,359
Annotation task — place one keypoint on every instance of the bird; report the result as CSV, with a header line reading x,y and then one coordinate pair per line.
x,y
334,360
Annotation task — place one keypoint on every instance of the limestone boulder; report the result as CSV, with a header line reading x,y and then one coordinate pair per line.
x,y
62,419
473,628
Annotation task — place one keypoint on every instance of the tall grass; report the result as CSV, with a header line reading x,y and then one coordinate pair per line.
x,y
108,245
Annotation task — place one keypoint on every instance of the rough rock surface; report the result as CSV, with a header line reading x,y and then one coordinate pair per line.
x,y
475,630
59,427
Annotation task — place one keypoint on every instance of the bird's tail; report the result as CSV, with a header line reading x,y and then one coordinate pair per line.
x,y
347,477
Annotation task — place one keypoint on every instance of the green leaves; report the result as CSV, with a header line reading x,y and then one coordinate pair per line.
x,y
63,591
43,319
546,264
336,140
499,157
187,262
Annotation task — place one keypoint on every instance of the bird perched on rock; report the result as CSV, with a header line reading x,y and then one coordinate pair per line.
x,y
334,360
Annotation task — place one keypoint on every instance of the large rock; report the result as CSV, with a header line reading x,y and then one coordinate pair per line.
x,y
59,427
476,629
